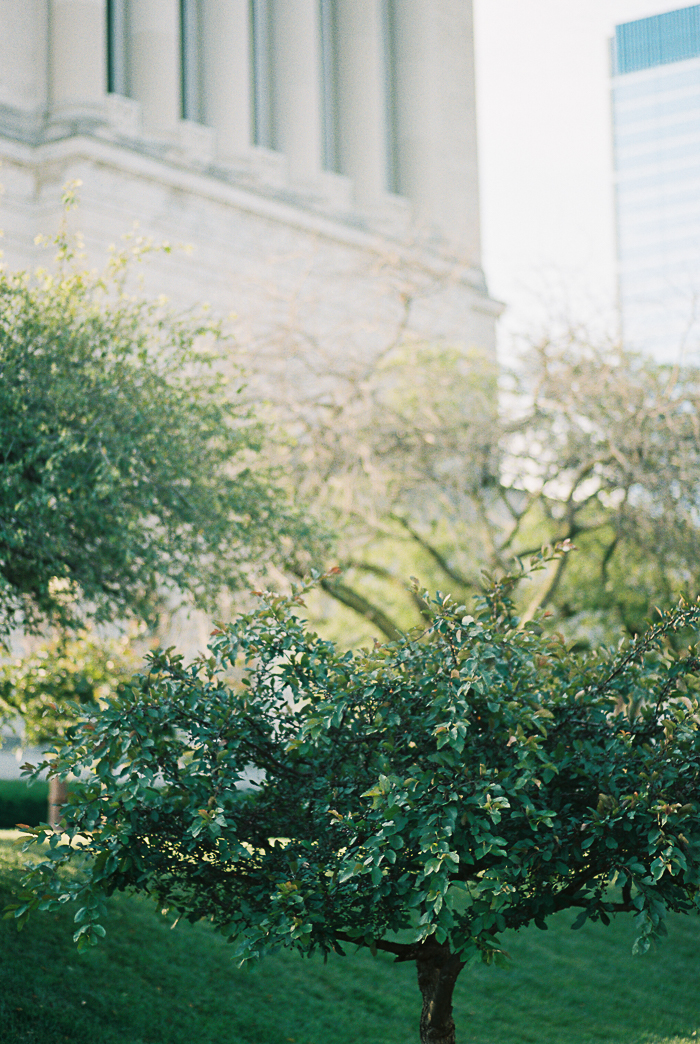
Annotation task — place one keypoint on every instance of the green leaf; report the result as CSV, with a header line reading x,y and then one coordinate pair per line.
x,y
580,920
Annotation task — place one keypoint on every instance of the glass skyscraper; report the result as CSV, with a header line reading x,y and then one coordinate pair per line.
x,y
656,127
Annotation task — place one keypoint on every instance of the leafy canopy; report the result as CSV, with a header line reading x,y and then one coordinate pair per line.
x,y
128,470
50,687
420,797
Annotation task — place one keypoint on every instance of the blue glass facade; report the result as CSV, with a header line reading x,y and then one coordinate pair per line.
x,y
656,123
664,38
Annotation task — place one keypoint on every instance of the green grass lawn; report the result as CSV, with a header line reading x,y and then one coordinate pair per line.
x,y
146,984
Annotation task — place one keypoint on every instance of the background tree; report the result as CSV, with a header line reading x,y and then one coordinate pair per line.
x,y
610,448
431,463
419,797
399,461
44,686
130,470
43,693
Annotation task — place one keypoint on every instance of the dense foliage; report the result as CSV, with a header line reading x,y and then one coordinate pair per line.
x,y
418,797
45,691
127,468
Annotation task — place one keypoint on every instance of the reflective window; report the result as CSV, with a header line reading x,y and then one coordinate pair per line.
x,y
659,131
652,155
629,204
678,243
117,28
191,94
262,82
660,108
664,38
659,179
661,80
393,155
328,18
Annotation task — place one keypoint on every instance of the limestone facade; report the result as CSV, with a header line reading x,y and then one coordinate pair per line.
x,y
319,156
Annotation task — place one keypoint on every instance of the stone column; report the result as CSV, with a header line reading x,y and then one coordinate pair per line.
x,y
154,65
227,74
23,54
436,120
362,101
297,77
77,56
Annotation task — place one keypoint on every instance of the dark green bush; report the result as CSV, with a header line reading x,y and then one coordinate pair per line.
x,y
22,802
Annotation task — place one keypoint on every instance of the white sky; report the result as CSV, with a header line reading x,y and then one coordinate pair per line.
x,y
543,100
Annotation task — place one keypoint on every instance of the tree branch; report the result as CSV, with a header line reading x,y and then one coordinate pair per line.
x,y
436,555
385,574
541,600
402,951
363,607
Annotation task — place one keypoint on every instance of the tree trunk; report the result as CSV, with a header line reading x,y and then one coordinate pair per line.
x,y
437,975
58,791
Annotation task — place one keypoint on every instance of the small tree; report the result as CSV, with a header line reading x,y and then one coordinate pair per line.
x,y
45,687
418,797
128,468
46,691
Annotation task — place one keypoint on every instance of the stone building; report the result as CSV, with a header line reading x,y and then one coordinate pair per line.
x,y
319,156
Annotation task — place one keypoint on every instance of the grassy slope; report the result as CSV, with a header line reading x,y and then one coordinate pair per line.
x,y
148,985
